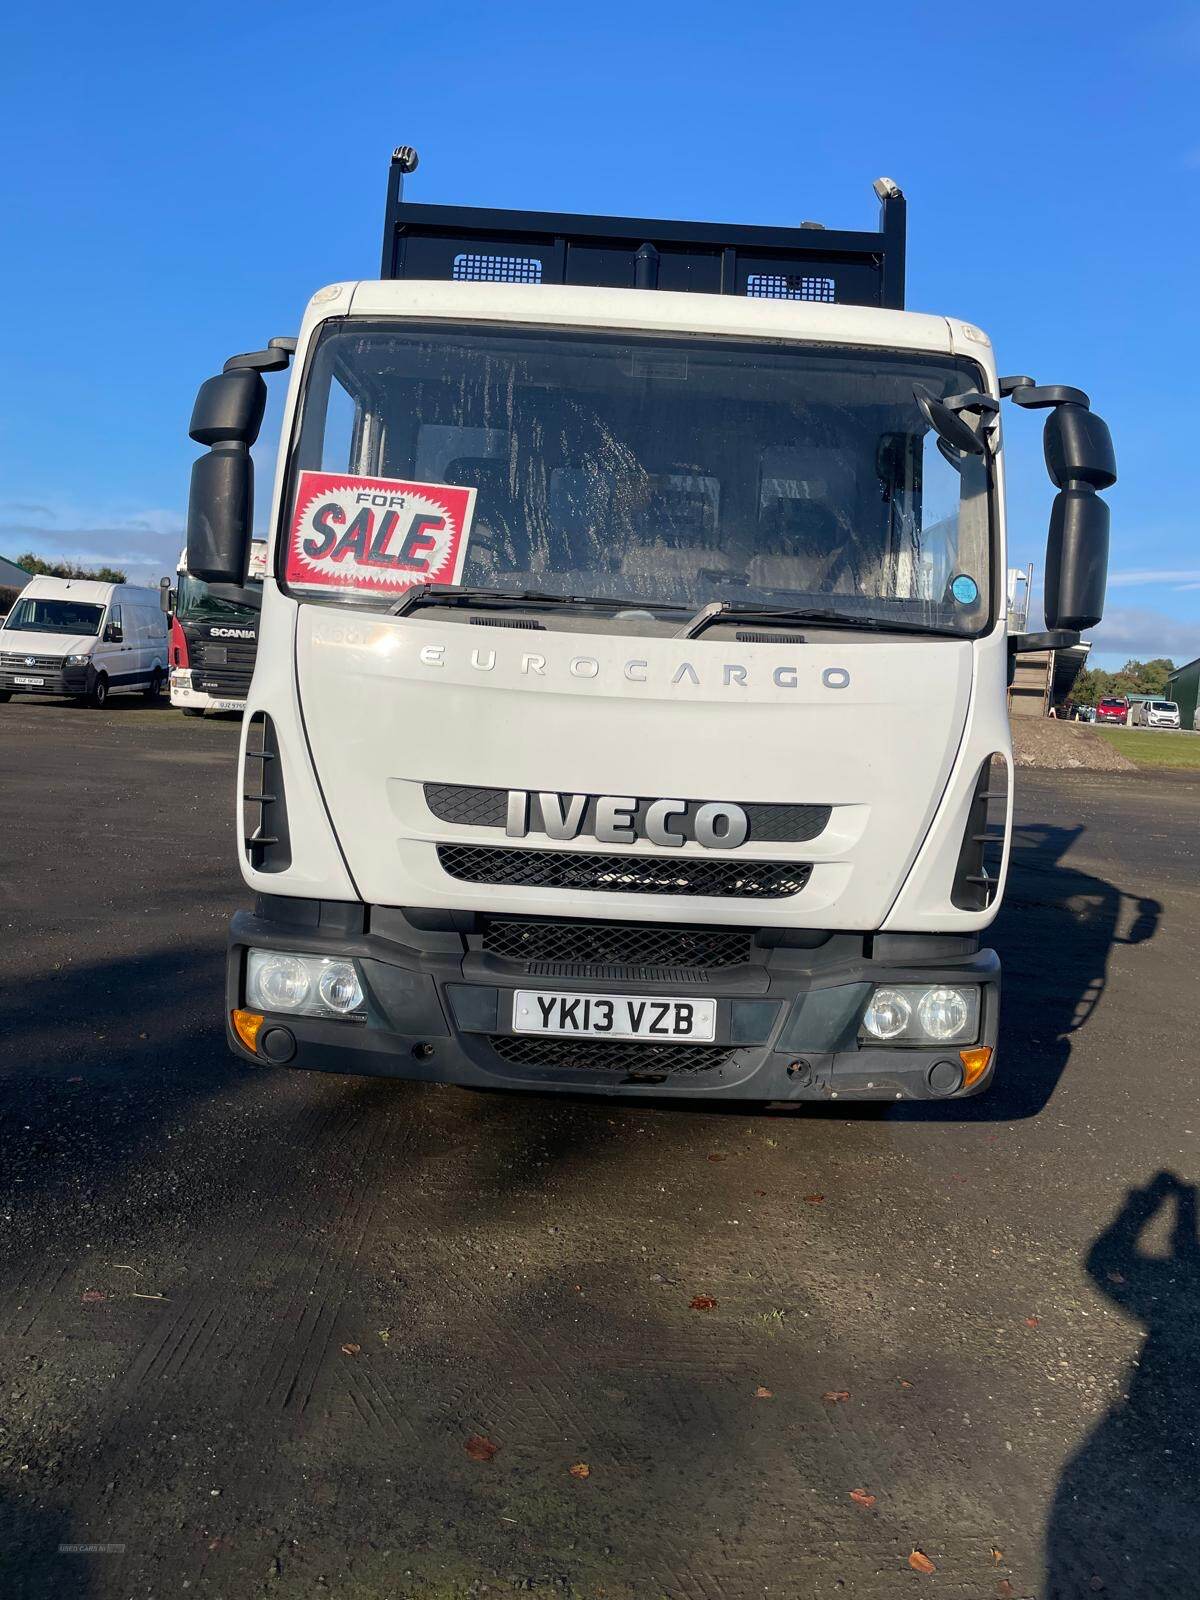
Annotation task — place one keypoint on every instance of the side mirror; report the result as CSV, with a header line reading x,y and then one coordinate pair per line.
x,y
227,416
166,596
1080,460
114,633
1076,559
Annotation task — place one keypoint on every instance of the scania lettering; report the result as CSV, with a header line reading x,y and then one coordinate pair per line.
x,y
630,709
214,638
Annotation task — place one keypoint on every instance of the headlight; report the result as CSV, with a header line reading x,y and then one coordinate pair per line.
x,y
339,987
888,1014
943,1014
313,986
917,1013
78,661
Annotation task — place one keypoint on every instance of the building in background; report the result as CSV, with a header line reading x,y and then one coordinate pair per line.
x,y
1183,686
12,580
1045,678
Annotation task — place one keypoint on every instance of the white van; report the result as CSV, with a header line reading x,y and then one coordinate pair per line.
x,y
77,637
1155,714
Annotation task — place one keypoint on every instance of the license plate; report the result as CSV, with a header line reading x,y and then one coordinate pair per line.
x,y
613,1016
34,683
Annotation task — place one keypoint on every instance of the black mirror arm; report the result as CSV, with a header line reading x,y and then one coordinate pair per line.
x,y
983,405
274,358
1043,397
1054,639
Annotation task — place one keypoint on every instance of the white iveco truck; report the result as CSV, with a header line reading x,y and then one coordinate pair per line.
x,y
630,704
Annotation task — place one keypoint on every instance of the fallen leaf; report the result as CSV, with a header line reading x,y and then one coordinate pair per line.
x,y
763,1394
1004,1590
479,1448
920,1562
1033,1322
1096,1584
581,1470
904,1383
834,1395
578,1287
1115,1277
716,1158
93,1296
814,1199
997,1556
351,1349
702,1302
862,1498
760,1193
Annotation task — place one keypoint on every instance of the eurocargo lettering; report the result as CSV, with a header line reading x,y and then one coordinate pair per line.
x,y
629,711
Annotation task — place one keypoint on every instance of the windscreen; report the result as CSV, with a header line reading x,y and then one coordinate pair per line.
x,y
658,471
196,601
55,616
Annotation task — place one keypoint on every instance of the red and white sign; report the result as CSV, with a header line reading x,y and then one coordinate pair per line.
x,y
377,534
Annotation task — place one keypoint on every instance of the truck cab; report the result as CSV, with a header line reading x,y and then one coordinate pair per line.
x,y
630,705
214,638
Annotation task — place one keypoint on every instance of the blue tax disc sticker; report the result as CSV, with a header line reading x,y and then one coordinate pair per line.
x,y
965,590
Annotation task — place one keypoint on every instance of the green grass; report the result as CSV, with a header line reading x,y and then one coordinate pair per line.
x,y
1155,749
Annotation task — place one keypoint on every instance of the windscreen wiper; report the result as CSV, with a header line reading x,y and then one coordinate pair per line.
x,y
446,594
722,611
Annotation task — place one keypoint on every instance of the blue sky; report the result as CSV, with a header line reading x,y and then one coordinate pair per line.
x,y
179,180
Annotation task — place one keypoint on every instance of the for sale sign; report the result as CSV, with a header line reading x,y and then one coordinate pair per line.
x,y
377,534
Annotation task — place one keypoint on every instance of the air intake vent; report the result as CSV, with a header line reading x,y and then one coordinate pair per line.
x,y
610,874
505,622
616,947
977,877
593,1055
264,807
750,636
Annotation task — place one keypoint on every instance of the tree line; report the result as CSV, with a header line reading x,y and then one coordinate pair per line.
x,y
1135,677
37,568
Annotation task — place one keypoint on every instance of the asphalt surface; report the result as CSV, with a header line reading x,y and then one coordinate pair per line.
x,y
250,1319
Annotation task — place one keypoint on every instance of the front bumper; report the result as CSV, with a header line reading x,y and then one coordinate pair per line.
x,y
186,697
440,1010
66,681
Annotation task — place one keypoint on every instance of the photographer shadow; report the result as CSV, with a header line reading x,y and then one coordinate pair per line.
x,y
1126,1515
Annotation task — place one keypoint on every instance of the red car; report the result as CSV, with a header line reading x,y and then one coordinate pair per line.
x,y
1112,711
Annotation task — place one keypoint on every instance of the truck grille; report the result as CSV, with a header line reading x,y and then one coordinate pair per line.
x,y
578,869
223,666
471,807
18,661
610,1055
614,944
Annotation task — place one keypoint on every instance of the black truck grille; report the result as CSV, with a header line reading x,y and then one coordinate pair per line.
x,y
471,807
223,666
614,944
610,1055
583,870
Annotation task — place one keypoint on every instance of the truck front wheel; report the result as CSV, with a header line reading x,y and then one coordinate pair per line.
x,y
98,694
